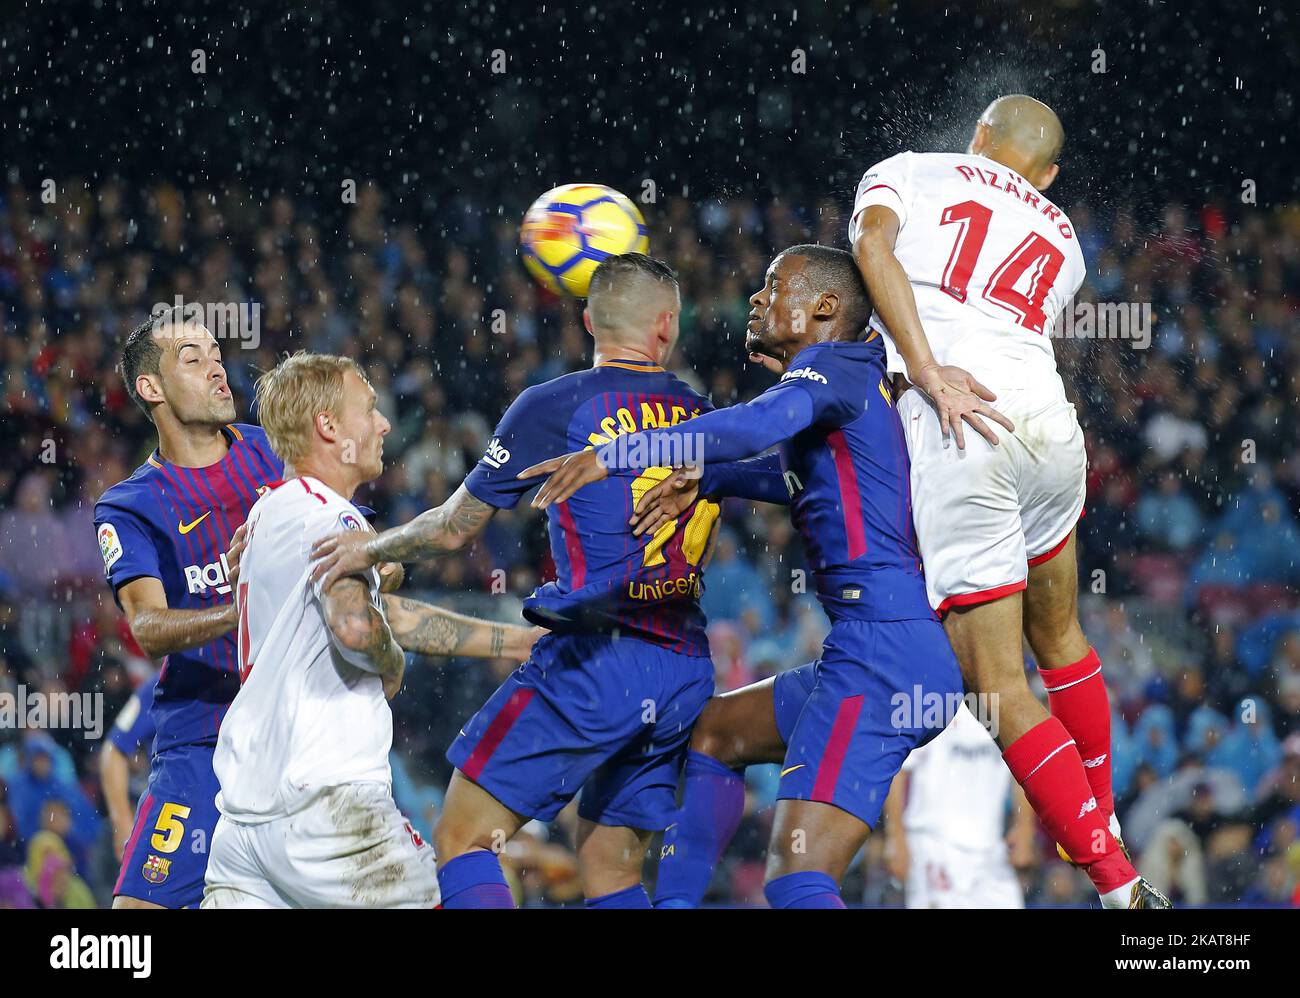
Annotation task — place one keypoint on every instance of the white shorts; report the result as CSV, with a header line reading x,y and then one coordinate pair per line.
x,y
985,514
350,848
941,875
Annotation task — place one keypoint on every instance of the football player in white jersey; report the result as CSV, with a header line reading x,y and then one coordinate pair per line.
x,y
307,814
969,265
945,820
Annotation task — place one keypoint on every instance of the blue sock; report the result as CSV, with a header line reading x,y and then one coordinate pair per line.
x,y
712,803
808,889
630,897
474,880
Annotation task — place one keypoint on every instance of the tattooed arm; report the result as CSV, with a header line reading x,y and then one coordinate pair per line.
x,y
361,634
430,630
450,527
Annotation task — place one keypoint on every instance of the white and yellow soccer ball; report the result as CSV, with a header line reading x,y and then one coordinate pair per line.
x,y
569,231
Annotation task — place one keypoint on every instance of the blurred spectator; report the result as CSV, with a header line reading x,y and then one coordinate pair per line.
x,y
1168,517
1250,749
1155,743
35,550
50,871
1173,862
36,784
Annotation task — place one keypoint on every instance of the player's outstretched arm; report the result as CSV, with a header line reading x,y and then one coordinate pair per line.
x,y
160,630
722,436
431,630
955,393
360,632
448,528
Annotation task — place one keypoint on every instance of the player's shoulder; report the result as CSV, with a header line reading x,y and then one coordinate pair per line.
x,y
900,161
834,354
940,167
248,433
537,400
253,436
309,500
131,495
568,391
679,386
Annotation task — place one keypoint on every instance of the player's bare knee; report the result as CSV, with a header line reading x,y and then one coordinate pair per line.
x,y
706,735
798,853
715,745
610,859
716,735
453,838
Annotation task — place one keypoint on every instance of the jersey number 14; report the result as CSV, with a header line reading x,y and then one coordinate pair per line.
x,y
1035,257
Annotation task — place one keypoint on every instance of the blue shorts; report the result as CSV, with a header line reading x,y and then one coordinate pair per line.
x,y
609,716
849,720
166,856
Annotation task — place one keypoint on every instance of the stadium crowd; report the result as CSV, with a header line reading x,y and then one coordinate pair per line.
x,y
1188,562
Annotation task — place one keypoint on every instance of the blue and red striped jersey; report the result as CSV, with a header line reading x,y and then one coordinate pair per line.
x,y
849,478
845,470
174,524
645,587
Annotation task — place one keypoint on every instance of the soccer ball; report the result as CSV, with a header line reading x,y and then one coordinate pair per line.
x,y
570,230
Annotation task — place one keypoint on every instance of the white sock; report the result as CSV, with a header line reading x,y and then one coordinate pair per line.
x,y
1120,896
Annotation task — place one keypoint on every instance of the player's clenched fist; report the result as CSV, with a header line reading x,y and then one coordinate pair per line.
x,y
339,555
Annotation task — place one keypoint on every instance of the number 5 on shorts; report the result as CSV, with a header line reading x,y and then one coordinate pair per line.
x,y
168,829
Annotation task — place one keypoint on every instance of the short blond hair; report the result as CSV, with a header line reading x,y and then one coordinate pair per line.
x,y
291,394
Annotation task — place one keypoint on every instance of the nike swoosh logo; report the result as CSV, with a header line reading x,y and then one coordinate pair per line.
x,y
185,528
792,769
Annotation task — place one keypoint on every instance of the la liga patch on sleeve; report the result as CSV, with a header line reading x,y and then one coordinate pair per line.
x,y
350,521
110,545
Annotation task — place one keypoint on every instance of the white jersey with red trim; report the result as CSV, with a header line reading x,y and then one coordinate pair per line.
x,y
309,715
992,263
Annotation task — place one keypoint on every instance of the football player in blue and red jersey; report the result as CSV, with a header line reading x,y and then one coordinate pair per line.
x,y
606,703
839,723
165,534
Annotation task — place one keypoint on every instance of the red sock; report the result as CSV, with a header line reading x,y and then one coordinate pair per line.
x,y
1077,698
1046,764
